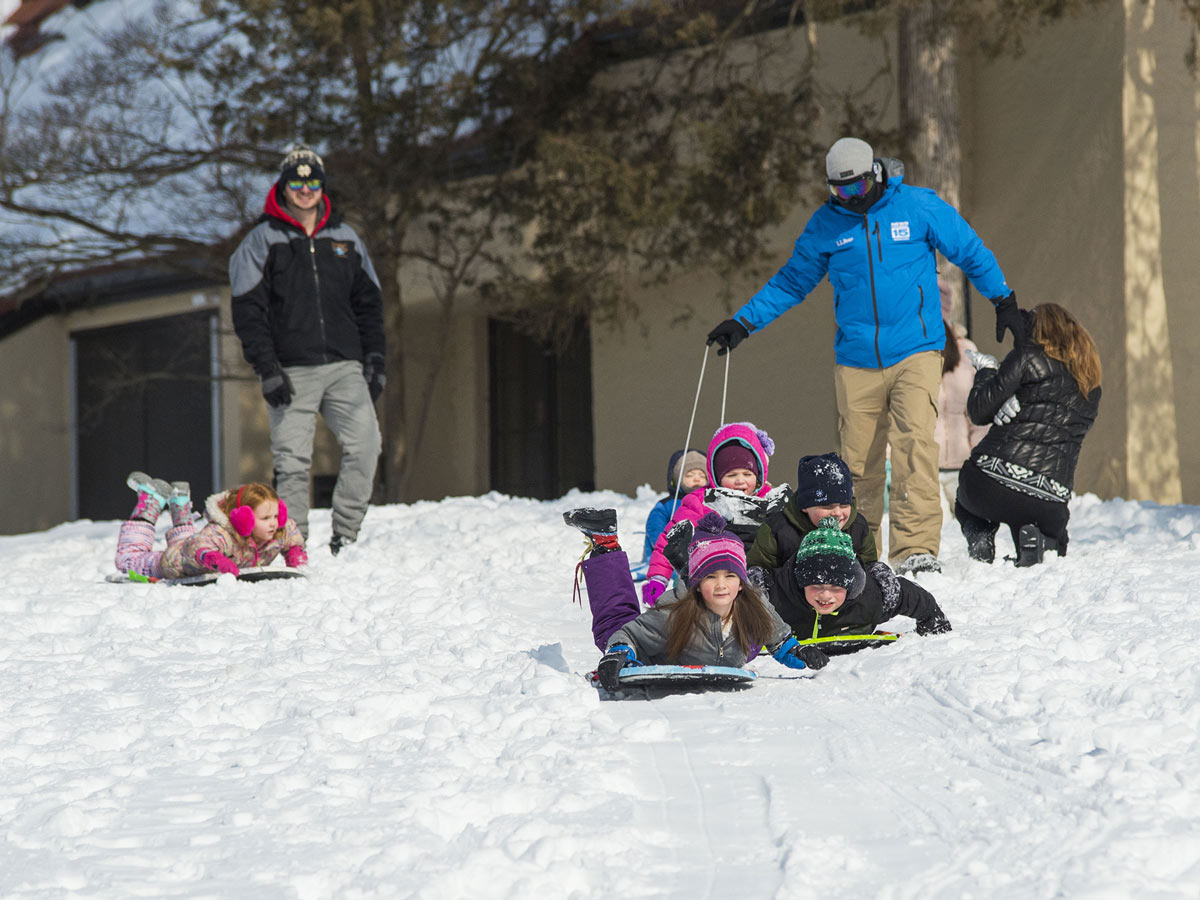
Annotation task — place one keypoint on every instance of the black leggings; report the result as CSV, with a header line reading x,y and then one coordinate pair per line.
x,y
984,503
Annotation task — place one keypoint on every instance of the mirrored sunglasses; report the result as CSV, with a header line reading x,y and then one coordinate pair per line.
x,y
855,187
313,185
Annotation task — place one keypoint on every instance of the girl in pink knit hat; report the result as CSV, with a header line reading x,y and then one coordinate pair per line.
x,y
738,490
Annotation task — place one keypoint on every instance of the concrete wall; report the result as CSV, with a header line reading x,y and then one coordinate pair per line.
x,y
1081,171
453,457
36,479
1162,267
1043,153
645,372
35,431
1085,180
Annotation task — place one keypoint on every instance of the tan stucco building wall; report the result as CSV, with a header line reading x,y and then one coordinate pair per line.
x,y
1082,174
1081,171
1096,205
453,456
35,431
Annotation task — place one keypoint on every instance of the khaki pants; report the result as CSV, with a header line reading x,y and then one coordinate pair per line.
x,y
896,406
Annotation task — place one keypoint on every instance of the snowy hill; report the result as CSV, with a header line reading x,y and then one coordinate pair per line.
x,y
411,721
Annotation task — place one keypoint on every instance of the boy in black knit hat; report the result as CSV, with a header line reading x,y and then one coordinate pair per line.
x,y
831,600
824,487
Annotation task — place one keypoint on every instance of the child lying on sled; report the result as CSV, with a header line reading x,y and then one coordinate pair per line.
x,y
721,621
834,604
247,526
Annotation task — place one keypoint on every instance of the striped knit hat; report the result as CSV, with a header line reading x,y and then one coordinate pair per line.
x,y
826,556
714,548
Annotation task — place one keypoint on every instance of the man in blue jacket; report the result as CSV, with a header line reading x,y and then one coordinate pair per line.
x,y
876,239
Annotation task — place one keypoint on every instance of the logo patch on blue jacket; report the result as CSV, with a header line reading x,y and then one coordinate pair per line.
x,y
843,241
900,231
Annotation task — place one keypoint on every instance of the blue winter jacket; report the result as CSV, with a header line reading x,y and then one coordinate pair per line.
x,y
883,271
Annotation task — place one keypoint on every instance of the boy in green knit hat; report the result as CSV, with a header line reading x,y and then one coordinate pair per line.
x,y
830,600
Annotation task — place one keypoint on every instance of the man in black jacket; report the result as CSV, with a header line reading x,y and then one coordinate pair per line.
x,y
309,312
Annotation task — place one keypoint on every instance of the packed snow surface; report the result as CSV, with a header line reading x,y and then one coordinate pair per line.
x,y
413,721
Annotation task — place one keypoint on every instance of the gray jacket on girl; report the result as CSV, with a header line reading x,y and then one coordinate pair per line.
x,y
647,635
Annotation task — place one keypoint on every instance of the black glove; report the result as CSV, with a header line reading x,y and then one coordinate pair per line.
x,y
277,388
934,624
728,335
374,374
611,663
795,655
813,657
676,548
1008,318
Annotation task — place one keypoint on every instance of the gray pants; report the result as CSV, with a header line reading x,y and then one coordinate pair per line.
x,y
339,393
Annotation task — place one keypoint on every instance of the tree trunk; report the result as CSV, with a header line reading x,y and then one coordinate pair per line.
x,y
928,80
391,408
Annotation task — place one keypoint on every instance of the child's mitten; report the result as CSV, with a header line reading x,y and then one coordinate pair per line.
x,y
611,663
937,623
219,562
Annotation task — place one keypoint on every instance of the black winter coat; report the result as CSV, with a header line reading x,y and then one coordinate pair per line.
x,y
778,538
884,596
1047,434
304,301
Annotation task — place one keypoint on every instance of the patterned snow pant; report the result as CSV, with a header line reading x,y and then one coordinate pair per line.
x,y
135,547
984,504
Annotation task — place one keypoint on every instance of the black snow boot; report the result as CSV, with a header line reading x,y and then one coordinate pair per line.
x,y
599,526
981,542
1031,546
338,542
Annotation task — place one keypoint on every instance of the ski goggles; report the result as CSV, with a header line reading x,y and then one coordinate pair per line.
x,y
313,185
853,188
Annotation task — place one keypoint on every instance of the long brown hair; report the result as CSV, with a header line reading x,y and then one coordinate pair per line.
x,y
950,354
249,495
751,621
1063,338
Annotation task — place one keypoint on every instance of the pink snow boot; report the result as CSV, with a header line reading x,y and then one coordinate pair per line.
x,y
152,496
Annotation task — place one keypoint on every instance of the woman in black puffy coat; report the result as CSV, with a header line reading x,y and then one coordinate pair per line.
x,y
1021,474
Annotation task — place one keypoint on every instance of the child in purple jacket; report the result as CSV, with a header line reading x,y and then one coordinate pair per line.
x,y
722,620
248,526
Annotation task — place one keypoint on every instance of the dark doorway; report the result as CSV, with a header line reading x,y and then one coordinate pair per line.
x,y
541,414
144,400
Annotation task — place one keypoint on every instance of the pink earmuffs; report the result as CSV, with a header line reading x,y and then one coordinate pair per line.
x,y
242,517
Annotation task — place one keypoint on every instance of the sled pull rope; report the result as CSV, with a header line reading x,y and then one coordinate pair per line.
x,y
688,440
725,387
